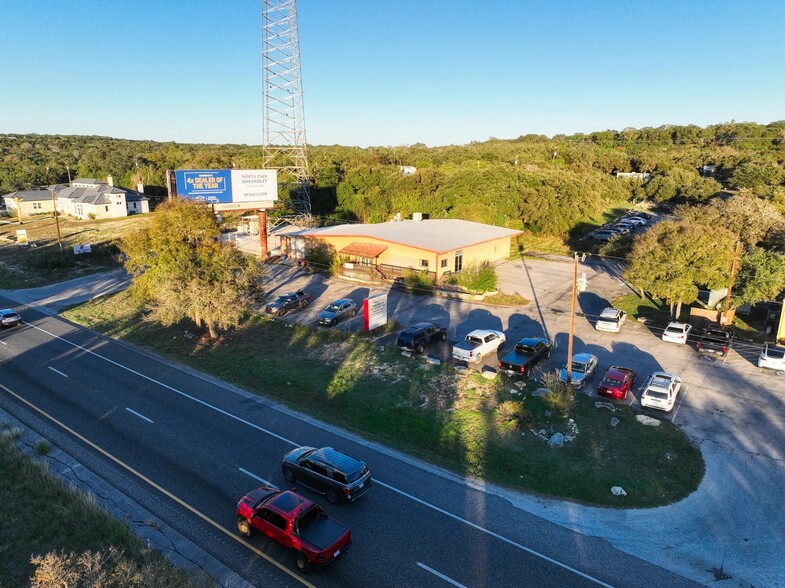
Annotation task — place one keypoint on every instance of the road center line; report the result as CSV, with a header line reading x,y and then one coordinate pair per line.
x,y
162,490
141,416
290,442
255,477
440,575
57,371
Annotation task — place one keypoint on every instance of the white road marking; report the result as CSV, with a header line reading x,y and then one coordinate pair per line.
x,y
57,371
440,575
292,443
492,534
255,477
141,416
4,343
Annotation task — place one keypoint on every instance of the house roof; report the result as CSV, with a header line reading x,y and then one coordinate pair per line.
x,y
29,195
436,235
367,250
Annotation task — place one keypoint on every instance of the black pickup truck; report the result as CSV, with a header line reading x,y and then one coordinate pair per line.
x,y
715,341
526,354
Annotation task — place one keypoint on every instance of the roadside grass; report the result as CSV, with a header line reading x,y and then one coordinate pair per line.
x,y
502,299
41,517
432,412
654,310
41,263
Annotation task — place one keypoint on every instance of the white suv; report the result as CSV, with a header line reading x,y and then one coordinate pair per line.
x,y
772,357
611,320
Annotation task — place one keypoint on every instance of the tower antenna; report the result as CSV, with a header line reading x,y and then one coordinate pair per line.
x,y
284,146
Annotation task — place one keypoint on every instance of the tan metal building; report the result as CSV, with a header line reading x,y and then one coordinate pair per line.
x,y
438,246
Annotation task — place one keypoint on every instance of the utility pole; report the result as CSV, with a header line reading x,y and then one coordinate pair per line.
x,y
57,218
737,253
572,319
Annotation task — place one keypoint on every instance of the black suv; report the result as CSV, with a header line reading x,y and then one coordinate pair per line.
x,y
325,470
416,338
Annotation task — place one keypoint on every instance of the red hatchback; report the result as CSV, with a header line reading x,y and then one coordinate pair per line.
x,y
617,382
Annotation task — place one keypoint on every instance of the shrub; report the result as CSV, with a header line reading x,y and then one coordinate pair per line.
x,y
91,216
511,413
42,447
560,398
419,283
320,255
479,277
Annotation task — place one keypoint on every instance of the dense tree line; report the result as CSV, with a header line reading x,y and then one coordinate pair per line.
x,y
545,185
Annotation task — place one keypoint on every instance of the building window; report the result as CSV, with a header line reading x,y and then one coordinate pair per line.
x,y
107,208
423,263
444,263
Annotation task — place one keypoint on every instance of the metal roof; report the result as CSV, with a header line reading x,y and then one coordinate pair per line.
x,y
437,235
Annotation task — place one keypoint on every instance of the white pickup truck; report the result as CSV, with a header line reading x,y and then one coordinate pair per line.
x,y
478,344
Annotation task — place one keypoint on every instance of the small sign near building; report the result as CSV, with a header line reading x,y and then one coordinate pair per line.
x,y
82,249
21,237
375,311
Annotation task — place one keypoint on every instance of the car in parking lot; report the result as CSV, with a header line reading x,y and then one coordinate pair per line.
x,y
328,471
584,365
291,301
618,381
336,311
661,391
9,318
638,221
417,337
772,357
677,332
604,235
611,320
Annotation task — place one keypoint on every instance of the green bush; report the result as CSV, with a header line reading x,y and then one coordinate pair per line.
x,y
419,283
479,277
561,397
512,413
320,255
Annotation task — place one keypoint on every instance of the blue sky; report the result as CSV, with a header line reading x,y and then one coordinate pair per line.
x,y
398,72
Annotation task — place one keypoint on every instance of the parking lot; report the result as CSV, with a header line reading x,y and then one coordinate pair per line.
x,y
734,524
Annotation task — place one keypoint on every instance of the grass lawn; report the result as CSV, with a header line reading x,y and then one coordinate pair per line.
x,y
42,263
652,309
433,412
41,516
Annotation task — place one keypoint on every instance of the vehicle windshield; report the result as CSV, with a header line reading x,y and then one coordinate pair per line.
x,y
356,475
672,329
524,349
657,394
611,381
282,299
660,382
304,455
332,308
578,367
775,353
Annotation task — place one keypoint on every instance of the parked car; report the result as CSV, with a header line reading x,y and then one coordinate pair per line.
x,y
677,332
715,341
584,365
327,471
9,318
618,381
336,311
638,221
604,235
661,391
478,344
525,356
296,523
283,304
772,357
611,320
417,337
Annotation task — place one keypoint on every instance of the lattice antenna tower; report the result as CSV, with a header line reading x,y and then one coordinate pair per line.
x,y
284,145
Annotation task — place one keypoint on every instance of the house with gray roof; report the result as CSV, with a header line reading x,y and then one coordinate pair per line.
x,y
82,198
437,246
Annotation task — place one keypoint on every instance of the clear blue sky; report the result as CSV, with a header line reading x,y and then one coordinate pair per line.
x,y
385,72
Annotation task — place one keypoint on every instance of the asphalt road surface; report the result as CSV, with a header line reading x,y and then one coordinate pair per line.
x,y
188,448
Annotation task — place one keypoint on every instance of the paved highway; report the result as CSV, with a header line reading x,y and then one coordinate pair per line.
x,y
187,448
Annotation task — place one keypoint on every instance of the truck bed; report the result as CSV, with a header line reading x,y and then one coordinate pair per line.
x,y
321,531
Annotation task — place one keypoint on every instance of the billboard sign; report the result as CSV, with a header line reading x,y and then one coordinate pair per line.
x,y
375,311
229,189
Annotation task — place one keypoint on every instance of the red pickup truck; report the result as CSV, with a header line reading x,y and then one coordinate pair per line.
x,y
296,523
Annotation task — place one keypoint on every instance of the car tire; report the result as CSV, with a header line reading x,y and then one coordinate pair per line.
x,y
245,528
303,304
353,313
332,496
281,312
478,358
289,475
301,562
420,348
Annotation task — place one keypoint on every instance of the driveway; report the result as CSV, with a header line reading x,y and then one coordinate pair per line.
x,y
732,527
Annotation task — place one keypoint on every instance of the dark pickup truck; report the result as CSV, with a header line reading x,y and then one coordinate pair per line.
x,y
715,341
281,305
526,354
296,523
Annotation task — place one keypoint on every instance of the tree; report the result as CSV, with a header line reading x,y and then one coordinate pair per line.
x,y
761,276
673,258
181,270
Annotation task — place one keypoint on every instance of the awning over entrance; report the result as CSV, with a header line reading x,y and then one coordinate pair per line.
x,y
366,250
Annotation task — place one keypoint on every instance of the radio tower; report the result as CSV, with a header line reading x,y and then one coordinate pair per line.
x,y
282,102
